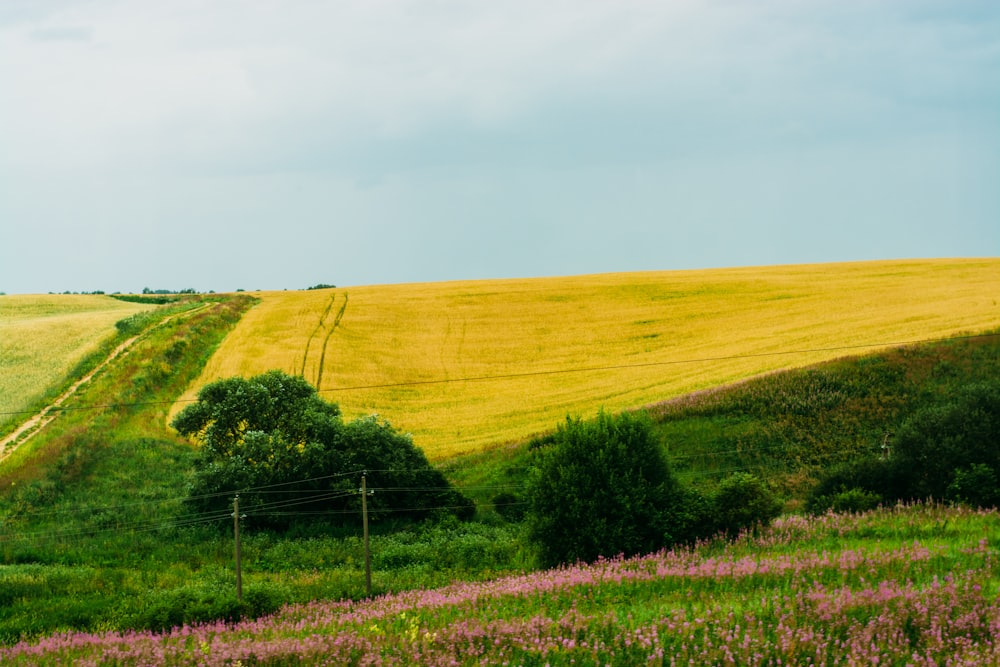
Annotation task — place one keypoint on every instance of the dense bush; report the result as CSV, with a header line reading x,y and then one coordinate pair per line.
x,y
135,323
743,501
601,490
853,500
204,602
975,485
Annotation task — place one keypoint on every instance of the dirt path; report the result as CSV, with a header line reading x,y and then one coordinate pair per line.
x,y
36,423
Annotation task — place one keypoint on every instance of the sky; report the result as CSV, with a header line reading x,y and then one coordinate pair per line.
x,y
279,144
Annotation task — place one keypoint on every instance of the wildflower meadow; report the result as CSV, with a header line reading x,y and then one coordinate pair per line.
x,y
914,585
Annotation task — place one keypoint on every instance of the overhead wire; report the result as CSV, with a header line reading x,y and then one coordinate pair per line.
x,y
210,517
561,371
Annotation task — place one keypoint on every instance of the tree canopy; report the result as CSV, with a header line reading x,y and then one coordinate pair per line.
x,y
293,460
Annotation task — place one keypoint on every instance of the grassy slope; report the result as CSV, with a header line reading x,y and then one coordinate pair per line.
x,y
423,349
791,426
43,337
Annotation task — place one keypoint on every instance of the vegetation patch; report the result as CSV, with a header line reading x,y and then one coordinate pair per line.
x,y
875,588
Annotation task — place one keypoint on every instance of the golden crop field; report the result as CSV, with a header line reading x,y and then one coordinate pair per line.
x,y
43,336
469,365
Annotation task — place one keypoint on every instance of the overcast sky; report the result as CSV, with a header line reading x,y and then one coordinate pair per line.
x,y
273,144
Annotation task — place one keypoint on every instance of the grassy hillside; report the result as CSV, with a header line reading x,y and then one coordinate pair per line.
x,y
465,366
42,337
791,427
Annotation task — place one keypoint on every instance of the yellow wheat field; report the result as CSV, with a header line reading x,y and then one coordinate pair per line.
x,y
43,336
468,365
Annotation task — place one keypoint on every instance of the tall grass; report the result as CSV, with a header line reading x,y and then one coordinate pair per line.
x,y
465,366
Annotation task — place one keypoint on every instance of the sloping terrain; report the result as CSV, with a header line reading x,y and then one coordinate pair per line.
x,y
464,366
43,336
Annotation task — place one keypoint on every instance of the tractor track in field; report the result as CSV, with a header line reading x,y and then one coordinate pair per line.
x,y
319,327
326,341
35,424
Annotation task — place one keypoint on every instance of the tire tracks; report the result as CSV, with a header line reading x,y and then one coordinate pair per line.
x,y
322,356
319,326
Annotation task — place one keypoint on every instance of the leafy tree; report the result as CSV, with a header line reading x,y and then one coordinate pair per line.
x,y
601,490
293,460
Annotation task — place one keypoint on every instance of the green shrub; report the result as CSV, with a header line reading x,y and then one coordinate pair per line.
x,y
975,485
134,324
601,490
274,432
743,501
939,440
854,500
687,517
205,602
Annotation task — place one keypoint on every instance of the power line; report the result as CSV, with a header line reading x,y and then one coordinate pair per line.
x,y
563,371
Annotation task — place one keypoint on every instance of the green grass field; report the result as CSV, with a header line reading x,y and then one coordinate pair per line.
x,y
466,366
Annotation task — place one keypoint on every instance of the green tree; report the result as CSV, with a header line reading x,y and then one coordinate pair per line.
x,y
293,460
601,490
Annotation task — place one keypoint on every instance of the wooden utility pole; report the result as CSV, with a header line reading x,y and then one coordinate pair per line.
x,y
236,534
368,553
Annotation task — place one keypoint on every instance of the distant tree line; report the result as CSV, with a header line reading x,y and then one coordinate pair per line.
x,y
189,290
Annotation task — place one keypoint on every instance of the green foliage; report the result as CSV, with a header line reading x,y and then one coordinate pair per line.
x,y
145,298
688,517
202,602
956,435
743,501
800,425
853,500
600,491
945,450
509,506
134,324
976,485
293,460
274,404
